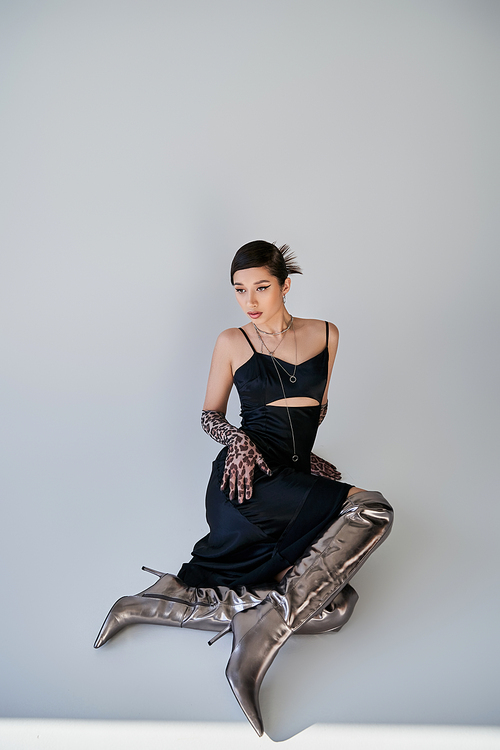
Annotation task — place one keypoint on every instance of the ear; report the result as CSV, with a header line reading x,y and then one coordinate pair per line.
x,y
286,285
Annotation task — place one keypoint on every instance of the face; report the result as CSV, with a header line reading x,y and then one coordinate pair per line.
x,y
259,294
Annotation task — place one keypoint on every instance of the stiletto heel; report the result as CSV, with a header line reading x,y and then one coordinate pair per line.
x,y
218,635
153,571
309,587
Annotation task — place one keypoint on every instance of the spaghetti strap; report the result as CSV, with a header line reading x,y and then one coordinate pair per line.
x,y
245,335
327,333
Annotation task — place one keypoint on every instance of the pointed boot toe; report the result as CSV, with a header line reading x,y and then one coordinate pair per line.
x,y
258,635
117,618
309,586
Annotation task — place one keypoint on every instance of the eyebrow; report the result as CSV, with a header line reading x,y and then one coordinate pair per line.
x,y
262,281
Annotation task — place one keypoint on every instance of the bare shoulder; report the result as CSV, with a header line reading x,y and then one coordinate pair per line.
x,y
229,336
231,343
316,328
334,332
232,348
230,339
312,323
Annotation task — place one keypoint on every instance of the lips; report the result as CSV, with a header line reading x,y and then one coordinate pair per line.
x,y
254,315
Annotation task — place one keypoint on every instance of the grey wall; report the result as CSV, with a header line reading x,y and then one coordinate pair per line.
x,y
141,145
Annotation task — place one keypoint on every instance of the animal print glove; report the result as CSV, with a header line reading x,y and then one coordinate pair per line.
x,y
216,425
322,412
242,455
322,468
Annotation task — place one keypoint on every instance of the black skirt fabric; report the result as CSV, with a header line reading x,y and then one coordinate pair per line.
x,y
249,543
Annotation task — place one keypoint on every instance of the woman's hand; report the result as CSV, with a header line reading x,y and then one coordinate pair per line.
x,y
242,455
241,460
322,468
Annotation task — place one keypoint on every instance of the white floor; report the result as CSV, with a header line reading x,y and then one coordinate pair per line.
x,y
47,734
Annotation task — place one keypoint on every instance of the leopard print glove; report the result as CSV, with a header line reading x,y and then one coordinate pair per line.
x,y
322,412
322,468
216,425
242,455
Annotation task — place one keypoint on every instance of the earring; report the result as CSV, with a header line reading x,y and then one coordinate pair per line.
x,y
284,298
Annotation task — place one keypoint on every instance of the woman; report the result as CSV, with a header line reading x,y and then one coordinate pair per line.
x,y
285,535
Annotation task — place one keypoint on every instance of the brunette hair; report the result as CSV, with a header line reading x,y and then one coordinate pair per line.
x,y
279,261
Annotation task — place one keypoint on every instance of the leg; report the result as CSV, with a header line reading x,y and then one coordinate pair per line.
x,y
170,602
318,577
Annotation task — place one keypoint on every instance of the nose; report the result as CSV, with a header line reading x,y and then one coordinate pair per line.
x,y
252,300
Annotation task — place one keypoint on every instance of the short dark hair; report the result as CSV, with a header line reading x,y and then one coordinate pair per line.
x,y
279,261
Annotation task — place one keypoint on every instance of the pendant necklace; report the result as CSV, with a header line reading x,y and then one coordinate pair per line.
x,y
292,377
263,344
294,454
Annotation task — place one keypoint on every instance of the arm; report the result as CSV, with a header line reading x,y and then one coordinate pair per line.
x,y
333,343
220,377
319,466
322,412
242,455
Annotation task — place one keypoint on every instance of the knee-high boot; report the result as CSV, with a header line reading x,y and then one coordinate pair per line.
x,y
318,577
170,602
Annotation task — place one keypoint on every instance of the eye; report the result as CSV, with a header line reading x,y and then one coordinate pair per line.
x,y
239,290
263,288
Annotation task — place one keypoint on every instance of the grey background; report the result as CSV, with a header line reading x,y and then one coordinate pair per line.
x,y
141,145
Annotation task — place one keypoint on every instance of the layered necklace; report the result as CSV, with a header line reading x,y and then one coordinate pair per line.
x,y
276,363
263,346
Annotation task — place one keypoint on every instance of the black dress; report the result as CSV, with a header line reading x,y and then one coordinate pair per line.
x,y
250,542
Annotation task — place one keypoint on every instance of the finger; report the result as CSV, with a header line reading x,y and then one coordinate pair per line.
x,y
224,480
242,496
232,485
251,480
241,487
263,466
249,486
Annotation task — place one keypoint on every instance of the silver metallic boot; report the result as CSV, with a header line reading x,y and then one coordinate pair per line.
x,y
318,577
170,602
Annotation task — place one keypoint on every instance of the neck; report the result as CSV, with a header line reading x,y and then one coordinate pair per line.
x,y
278,323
